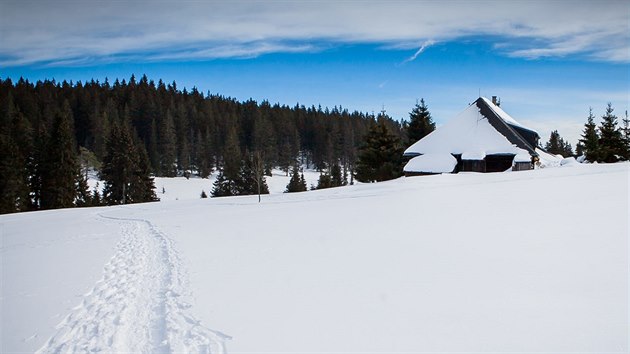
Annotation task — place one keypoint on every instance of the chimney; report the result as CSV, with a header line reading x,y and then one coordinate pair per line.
x,y
494,100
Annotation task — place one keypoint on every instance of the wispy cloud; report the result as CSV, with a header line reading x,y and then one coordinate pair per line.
x,y
424,46
93,31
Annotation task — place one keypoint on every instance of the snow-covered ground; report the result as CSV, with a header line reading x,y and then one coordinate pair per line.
x,y
180,188
531,261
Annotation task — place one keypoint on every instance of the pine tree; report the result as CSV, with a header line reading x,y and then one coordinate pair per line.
x,y
303,180
126,169
612,148
263,139
37,166
297,182
15,156
83,198
154,156
167,146
96,196
60,172
557,146
205,165
579,149
142,186
420,122
590,138
324,181
380,158
222,187
229,176
118,165
286,158
336,179
252,179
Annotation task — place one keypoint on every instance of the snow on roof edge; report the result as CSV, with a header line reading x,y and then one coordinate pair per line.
x,y
431,163
505,116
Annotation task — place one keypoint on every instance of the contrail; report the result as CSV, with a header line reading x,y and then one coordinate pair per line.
x,y
424,46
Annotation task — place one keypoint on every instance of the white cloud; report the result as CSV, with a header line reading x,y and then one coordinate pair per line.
x,y
46,31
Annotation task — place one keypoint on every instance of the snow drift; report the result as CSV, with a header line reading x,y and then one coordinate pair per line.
x,y
534,261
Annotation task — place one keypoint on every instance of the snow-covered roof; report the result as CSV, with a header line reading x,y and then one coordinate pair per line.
x,y
506,117
431,163
481,129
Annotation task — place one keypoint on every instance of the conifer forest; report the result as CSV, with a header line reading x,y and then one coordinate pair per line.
x,y
53,133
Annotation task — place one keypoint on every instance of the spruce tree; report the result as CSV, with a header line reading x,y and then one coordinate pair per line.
x,y
15,140
167,146
118,165
579,149
38,165
612,148
126,168
264,140
297,182
286,158
154,155
142,186
60,170
557,146
331,178
227,182
324,181
420,122
251,179
590,138
205,165
336,178
303,180
96,196
15,157
222,187
380,158
83,198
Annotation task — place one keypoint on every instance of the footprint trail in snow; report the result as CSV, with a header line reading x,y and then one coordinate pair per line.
x,y
137,305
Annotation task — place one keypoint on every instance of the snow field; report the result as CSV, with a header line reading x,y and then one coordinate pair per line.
x,y
136,307
180,188
531,261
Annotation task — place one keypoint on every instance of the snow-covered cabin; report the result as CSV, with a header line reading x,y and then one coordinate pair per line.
x,y
482,138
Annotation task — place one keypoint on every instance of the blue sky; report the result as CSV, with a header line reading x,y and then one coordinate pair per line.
x,y
547,61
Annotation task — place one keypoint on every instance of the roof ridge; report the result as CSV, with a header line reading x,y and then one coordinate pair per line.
x,y
505,128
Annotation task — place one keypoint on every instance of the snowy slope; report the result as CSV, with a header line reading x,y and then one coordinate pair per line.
x,y
512,262
180,188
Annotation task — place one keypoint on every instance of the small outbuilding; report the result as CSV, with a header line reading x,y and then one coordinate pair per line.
x,y
482,138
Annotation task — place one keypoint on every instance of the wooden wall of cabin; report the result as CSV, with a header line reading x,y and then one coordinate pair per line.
x,y
473,166
522,166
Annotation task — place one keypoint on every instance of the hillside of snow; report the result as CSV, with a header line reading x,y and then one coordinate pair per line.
x,y
531,261
181,188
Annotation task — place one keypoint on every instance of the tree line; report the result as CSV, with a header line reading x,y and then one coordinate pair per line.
x,y
607,142
53,133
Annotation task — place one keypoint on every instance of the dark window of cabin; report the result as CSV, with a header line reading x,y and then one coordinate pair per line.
x,y
499,163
